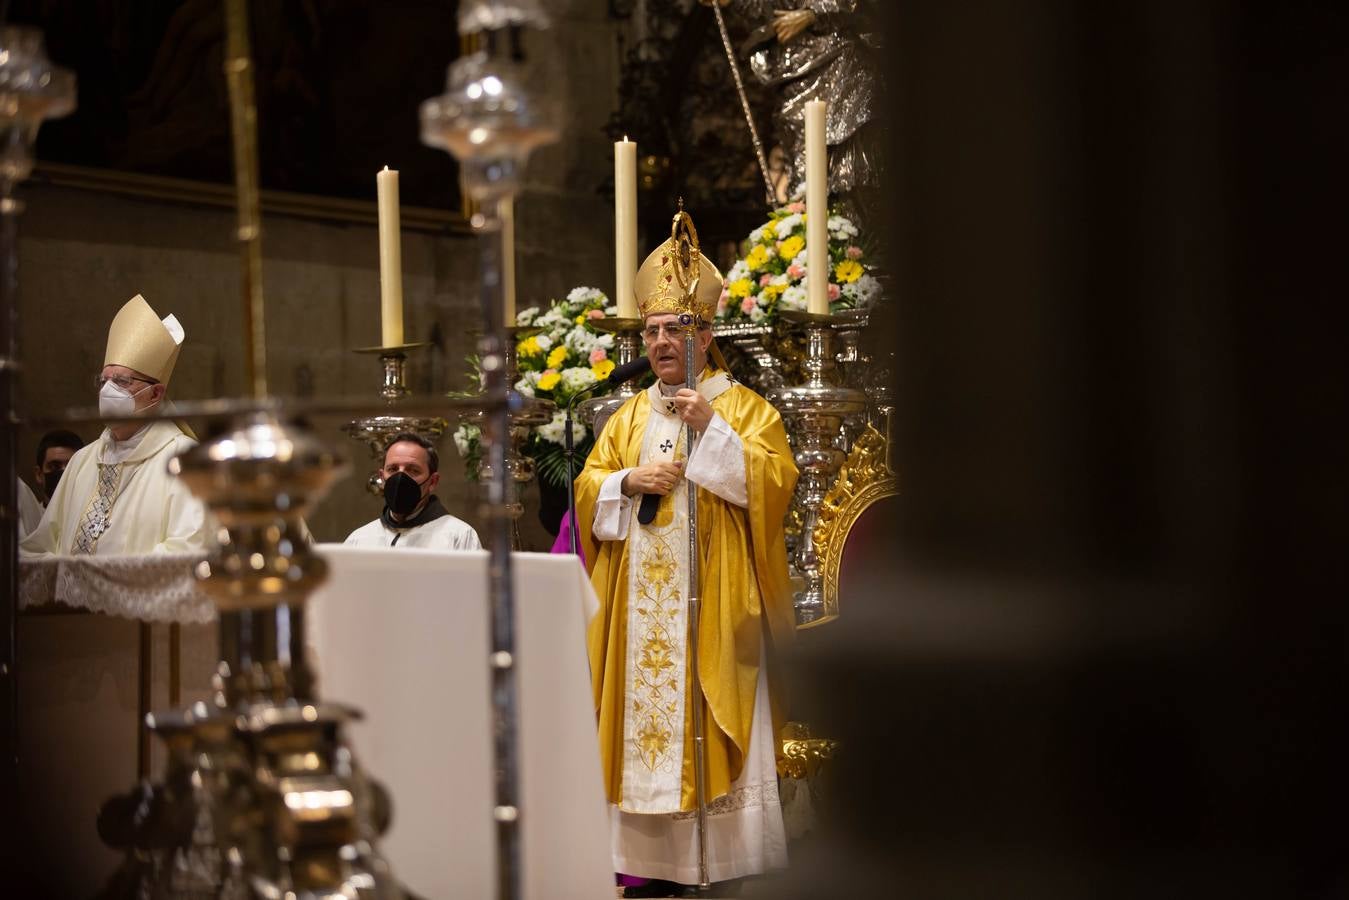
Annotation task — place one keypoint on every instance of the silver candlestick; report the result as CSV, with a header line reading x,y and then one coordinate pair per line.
x,y
291,809
32,90
489,122
815,411
376,431
627,347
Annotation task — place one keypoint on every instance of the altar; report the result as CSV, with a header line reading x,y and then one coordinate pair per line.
x,y
403,636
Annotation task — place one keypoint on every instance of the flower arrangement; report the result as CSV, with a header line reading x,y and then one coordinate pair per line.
x,y
566,356
772,275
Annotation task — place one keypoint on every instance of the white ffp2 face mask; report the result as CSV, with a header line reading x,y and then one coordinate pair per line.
x,y
113,401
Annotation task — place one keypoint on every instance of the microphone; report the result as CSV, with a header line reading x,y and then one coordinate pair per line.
x,y
628,371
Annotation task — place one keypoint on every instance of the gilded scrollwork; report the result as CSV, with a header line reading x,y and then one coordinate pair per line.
x,y
865,478
803,755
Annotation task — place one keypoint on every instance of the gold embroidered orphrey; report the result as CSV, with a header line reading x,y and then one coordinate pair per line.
x,y
864,479
657,643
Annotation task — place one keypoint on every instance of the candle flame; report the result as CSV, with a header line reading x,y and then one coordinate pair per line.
x,y
625,138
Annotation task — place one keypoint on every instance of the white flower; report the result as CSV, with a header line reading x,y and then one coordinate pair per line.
x,y
583,295
738,271
526,316
756,235
553,431
793,298
605,340
581,340
578,377
756,313
780,279
464,437
784,227
863,292
799,259
527,383
611,310
544,341
840,229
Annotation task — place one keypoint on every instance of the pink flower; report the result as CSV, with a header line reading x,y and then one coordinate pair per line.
x,y
834,291
747,305
795,271
765,279
854,252
725,295
596,314
797,207
598,355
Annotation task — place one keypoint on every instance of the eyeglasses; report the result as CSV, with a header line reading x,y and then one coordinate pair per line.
x,y
122,381
673,331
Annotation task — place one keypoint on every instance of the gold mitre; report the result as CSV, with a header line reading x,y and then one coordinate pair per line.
x,y
662,284
140,340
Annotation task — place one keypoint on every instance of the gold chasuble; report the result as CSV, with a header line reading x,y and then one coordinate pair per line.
x,y
638,643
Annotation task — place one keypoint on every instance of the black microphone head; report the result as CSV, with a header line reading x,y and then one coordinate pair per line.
x,y
628,371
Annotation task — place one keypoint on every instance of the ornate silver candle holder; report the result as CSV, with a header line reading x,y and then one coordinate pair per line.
x,y
292,811
627,347
815,411
763,369
376,431
490,123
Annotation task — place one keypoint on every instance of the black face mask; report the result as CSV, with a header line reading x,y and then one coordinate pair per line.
x,y
49,480
402,493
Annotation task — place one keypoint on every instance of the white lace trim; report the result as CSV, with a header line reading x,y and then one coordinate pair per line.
x,y
751,796
160,587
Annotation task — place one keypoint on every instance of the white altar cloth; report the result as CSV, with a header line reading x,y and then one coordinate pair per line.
x,y
402,634
151,587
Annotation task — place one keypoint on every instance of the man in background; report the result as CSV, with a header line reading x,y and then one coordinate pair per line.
x,y
54,451
413,515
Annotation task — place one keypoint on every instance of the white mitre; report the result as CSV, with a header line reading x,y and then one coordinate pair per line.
x,y
140,340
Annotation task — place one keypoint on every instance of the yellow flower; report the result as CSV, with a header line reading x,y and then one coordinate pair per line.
x,y
528,347
848,271
602,369
548,381
557,357
741,288
772,290
792,246
757,258
581,319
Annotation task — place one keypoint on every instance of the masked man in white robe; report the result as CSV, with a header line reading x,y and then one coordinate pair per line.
x,y
413,515
632,516
116,496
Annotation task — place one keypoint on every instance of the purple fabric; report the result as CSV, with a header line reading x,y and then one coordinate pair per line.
x,y
563,542
631,880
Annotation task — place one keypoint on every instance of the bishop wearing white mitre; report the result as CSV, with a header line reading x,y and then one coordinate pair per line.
x,y
117,496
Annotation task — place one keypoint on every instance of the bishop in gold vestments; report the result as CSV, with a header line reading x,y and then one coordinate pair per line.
x,y
742,468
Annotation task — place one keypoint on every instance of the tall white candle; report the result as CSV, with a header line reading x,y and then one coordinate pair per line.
x,y
817,210
390,260
507,212
625,226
